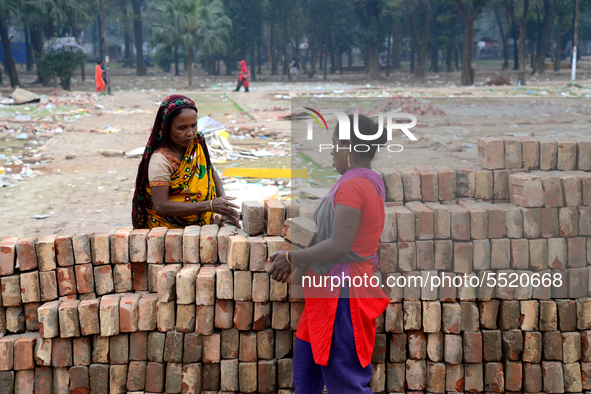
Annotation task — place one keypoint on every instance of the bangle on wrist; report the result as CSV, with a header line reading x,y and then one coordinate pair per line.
x,y
211,205
287,257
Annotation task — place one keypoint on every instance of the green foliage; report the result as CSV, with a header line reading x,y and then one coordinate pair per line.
x,y
61,56
164,58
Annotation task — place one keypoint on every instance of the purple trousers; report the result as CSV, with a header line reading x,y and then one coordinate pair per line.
x,y
343,374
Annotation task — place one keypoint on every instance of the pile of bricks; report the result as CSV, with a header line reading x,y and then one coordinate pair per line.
x,y
194,310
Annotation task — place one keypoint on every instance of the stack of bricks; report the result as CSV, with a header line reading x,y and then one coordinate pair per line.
x,y
194,310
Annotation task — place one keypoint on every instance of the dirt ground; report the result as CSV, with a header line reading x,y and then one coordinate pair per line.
x,y
92,192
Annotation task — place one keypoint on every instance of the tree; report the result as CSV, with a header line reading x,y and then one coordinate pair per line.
x,y
521,22
214,31
423,14
368,14
9,9
545,35
164,21
503,34
469,12
137,33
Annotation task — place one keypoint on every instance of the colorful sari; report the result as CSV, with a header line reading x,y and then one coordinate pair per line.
x,y
191,182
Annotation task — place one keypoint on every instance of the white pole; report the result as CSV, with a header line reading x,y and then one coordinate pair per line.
x,y
573,71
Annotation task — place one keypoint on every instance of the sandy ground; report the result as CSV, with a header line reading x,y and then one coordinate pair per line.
x,y
92,192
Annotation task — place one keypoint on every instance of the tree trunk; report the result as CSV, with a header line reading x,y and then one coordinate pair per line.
x,y
350,57
324,69
396,45
9,63
29,48
272,48
435,58
503,39
190,64
545,36
469,18
456,58
99,26
515,36
258,58
424,16
373,60
388,54
176,60
448,56
413,45
312,70
137,33
37,43
559,42
127,58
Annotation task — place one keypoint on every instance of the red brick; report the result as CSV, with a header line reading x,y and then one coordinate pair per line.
x,y
100,248
185,318
491,153
472,347
466,182
120,246
411,181
24,350
204,319
82,349
128,313
191,244
548,154
173,246
429,183
29,287
156,239
66,281
243,315
8,256
84,278
26,253
61,352
139,275
103,279
393,183
88,315
275,216
136,376
447,183
154,377
530,149
138,246
68,316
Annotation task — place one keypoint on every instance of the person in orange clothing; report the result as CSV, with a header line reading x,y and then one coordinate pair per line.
x,y
98,77
336,332
243,78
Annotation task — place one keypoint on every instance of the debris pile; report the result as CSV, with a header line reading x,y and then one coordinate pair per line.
x,y
498,80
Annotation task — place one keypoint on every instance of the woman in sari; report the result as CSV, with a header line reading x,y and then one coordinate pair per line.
x,y
336,332
98,77
176,184
243,78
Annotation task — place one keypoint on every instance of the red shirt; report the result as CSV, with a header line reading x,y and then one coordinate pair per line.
x,y
367,303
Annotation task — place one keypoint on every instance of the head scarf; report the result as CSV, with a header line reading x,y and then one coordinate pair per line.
x,y
157,137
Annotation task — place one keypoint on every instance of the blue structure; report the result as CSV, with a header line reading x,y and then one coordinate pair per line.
x,y
19,52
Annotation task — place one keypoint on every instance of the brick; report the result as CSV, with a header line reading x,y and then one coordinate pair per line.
x,y
68,317
572,378
472,347
568,222
584,314
265,344
411,181
394,187
299,231
204,319
267,382
447,183
412,315
549,222
84,278
423,220
61,352
501,184
27,255
416,374
185,284
530,149
165,316
43,380
484,185
443,254
538,252
211,348
66,281
173,246
275,216
8,256
567,154
238,253
24,350
119,349
451,318
491,153
466,180
15,319
138,247
548,154
571,347
494,379
500,253
571,186
577,256
128,313
454,378
136,376
460,222
185,318
7,381
531,222
417,345
191,378
173,347
43,352
122,278
258,251
64,251
242,285
529,315
103,277
109,316
156,346
280,315
167,283
526,190
88,315
491,345
82,351
463,254
512,344
48,286
208,243
154,377
29,288
552,374
48,320
11,290
118,379
45,248
138,346
153,270
567,315
205,286
407,256
253,216
224,283
24,381
532,347
100,249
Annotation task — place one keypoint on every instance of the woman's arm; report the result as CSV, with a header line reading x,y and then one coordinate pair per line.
x,y
219,188
164,207
345,225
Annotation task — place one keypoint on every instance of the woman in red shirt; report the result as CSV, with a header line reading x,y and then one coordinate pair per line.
x,y
336,333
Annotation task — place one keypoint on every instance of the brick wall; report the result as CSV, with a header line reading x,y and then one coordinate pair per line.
x,y
194,311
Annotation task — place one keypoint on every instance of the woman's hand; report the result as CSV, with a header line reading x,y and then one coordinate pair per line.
x,y
224,207
280,269
226,219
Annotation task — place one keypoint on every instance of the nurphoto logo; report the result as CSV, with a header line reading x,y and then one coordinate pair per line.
x,y
345,128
